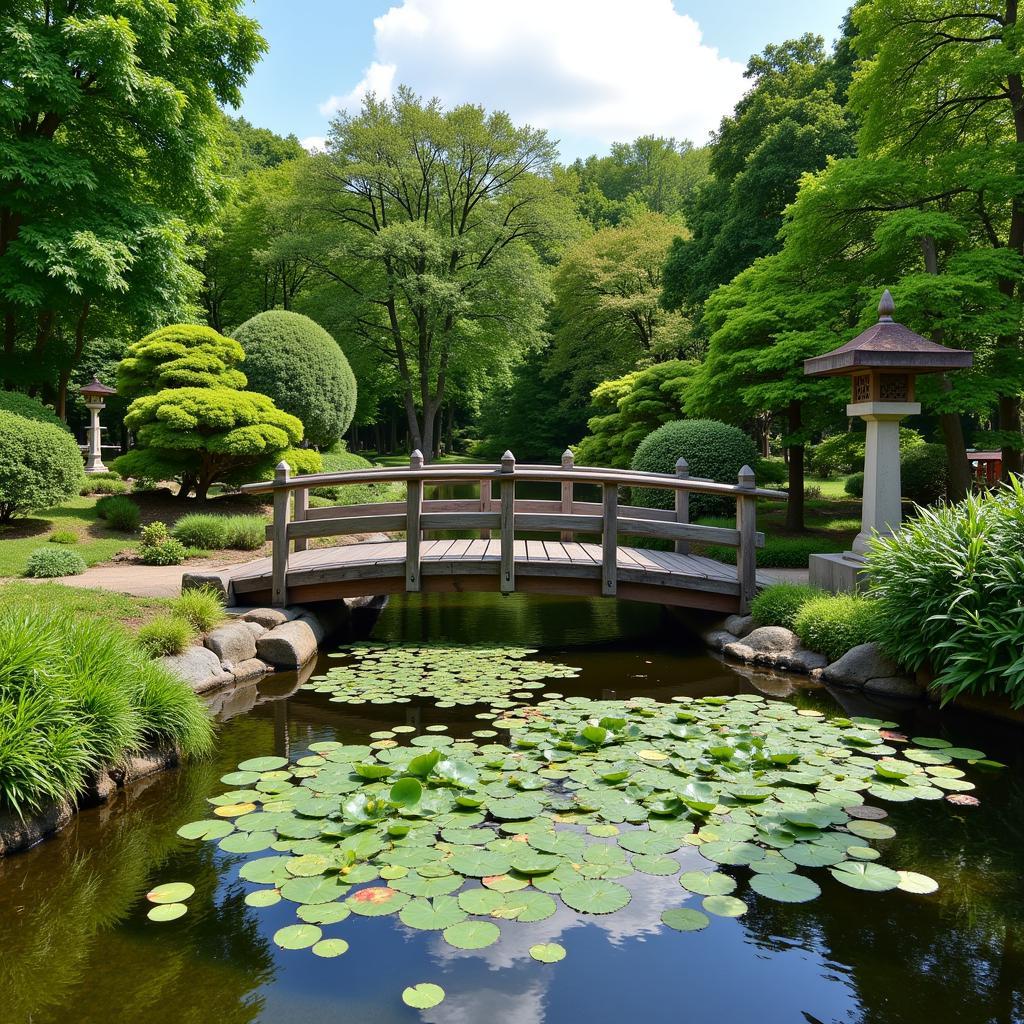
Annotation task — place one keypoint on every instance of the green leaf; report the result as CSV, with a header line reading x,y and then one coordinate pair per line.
x,y
685,919
725,906
868,877
297,936
791,888
423,996
707,883
472,934
547,952
171,892
167,912
595,896
406,792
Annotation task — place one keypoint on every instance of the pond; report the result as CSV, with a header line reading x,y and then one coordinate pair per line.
x,y
78,944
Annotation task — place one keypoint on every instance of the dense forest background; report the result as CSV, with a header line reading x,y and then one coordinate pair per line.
x,y
488,296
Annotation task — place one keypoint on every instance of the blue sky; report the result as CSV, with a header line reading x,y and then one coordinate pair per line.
x,y
590,71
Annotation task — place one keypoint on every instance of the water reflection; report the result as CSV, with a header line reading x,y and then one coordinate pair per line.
x,y
77,945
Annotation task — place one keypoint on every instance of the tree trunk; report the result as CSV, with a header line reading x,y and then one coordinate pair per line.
x,y
795,505
956,450
1009,420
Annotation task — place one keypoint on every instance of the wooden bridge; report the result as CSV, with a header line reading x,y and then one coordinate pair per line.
x,y
499,558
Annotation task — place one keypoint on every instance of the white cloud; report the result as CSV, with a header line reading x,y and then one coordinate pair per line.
x,y
590,71
314,143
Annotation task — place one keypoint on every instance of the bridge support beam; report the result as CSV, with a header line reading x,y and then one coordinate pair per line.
x,y
508,523
610,540
746,525
279,554
413,533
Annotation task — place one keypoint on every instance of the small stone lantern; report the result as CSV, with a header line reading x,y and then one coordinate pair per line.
x,y
95,394
882,363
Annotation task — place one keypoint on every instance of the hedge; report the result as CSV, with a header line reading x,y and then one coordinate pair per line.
x,y
40,466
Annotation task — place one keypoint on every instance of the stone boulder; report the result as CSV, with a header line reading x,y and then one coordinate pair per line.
x,y
233,642
289,645
894,686
253,668
268,618
739,625
18,833
859,664
775,647
198,667
718,639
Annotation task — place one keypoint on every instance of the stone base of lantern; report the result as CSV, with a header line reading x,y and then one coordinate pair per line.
x,y
838,574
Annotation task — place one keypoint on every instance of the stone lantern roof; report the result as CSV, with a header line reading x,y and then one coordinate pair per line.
x,y
95,389
889,346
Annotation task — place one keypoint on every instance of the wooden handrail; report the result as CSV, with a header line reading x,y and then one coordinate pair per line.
x,y
565,516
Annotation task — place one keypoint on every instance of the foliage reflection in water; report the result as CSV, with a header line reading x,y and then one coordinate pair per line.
x,y
73,910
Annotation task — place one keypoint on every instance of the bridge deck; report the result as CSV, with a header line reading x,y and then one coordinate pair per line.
x,y
544,566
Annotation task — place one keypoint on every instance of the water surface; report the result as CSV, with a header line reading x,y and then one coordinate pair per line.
x,y
77,945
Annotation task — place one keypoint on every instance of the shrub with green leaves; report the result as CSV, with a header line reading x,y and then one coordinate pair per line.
x,y
29,408
301,367
833,623
77,693
951,584
158,547
63,537
778,605
924,474
713,450
121,513
854,485
105,485
49,562
211,532
844,453
339,460
164,635
40,466
202,608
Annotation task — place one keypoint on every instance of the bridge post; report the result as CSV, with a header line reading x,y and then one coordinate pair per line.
x,y
568,462
413,533
508,521
610,540
299,515
746,554
279,551
682,504
485,503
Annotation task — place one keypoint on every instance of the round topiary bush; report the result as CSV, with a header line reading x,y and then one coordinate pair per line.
x,y
301,367
834,623
713,450
29,408
40,466
45,563
924,474
854,485
778,605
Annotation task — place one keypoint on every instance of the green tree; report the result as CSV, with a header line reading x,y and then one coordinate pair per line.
x,y
607,311
431,225
941,90
108,117
791,121
630,407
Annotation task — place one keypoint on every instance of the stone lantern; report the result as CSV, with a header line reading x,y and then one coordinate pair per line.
x,y
95,394
882,363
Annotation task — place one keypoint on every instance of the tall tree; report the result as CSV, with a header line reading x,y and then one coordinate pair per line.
x,y
944,90
791,121
432,219
607,310
107,118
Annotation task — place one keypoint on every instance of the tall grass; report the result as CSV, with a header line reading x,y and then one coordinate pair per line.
x,y
215,532
202,608
952,586
76,695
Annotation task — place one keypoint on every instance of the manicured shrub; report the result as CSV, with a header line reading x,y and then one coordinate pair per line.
x,y
202,608
778,605
200,530
301,367
924,473
40,466
158,547
63,537
854,485
166,634
46,563
951,584
246,533
834,623
771,472
713,450
120,513
104,486
30,409
339,460
77,693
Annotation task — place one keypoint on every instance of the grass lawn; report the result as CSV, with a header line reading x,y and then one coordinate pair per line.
x,y
77,601
96,543
403,460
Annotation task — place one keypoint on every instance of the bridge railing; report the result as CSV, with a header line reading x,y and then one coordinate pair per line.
x,y
295,522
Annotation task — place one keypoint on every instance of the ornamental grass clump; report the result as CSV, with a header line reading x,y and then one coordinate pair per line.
x,y
834,623
202,608
119,512
77,694
779,605
165,635
951,584
212,532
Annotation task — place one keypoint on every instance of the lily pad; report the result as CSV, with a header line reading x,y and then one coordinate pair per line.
x,y
725,906
423,996
911,881
547,952
685,919
868,877
595,896
787,888
707,883
297,936
167,912
329,948
472,934
171,892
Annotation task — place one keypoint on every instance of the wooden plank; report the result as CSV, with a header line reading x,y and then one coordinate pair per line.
x,y
458,549
380,508
282,513
413,533
485,503
535,551
577,552
555,551
746,526
460,520
609,538
348,526
568,461
508,517
679,531
477,550
682,506
299,513
557,521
